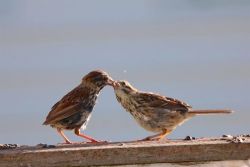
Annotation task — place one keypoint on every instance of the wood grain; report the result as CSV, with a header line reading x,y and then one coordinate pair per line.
x,y
122,153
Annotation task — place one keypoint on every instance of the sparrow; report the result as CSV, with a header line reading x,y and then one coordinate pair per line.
x,y
73,111
154,112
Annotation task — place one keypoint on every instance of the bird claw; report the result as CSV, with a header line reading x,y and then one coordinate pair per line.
x,y
100,141
83,142
147,139
68,143
151,138
95,142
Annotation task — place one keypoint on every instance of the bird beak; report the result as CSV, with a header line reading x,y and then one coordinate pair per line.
x,y
116,84
110,82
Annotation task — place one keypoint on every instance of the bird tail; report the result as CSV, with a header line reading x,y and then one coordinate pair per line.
x,y
199,112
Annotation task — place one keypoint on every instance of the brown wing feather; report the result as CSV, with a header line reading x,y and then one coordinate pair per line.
x,y
158,101
66,112
178,102
65,107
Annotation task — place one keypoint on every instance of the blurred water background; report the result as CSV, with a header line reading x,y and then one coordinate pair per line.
x,y
196,51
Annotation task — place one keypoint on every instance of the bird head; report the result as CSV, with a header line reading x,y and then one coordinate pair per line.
x,y
123,87
97,79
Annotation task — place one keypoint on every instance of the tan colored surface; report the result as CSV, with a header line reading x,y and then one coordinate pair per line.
x,y
235,163
122,153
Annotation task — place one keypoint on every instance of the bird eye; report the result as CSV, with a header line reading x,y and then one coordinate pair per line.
x,y
123,83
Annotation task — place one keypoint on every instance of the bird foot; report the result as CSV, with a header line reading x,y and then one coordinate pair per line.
x,y
102,141
150,138
68,143
65,143
95,141
84,142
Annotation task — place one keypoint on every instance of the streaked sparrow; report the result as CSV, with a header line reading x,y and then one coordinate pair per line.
x,y
73,111
154,112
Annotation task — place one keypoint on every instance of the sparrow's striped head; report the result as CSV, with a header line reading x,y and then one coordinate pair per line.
x,y
97,78
123,86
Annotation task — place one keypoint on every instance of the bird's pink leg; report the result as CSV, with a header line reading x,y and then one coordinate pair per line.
x,y
157,136
78,133
59,130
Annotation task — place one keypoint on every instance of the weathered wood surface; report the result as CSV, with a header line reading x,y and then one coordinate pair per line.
x,y
232,163
122,153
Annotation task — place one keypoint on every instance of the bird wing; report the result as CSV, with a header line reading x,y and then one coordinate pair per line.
x,y
163,102
67,106
63,111
176,101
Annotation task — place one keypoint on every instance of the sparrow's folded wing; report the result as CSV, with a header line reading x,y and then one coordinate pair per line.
x,y
158,101
178,102
63,111
67,106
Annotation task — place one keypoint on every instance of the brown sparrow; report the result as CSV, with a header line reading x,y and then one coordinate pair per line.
x,y
154,112
73,111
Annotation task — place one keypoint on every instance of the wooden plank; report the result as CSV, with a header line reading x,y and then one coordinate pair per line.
x,y
122,153
232,163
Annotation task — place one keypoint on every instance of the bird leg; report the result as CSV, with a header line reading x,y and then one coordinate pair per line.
x,y
78,133
59,130
157,137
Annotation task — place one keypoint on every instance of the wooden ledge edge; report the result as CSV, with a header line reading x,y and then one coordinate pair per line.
x,y
122,153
